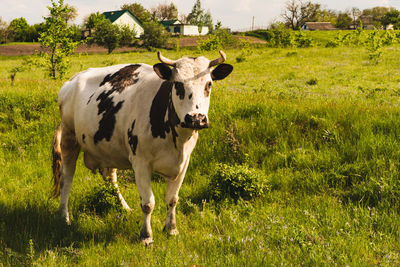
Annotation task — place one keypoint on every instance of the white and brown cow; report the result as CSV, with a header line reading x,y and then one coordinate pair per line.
x,y
135,116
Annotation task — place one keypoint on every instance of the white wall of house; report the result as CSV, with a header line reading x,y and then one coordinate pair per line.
x,y
131,22
194,30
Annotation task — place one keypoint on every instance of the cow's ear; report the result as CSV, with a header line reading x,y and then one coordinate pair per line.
x,y
163,71
221,71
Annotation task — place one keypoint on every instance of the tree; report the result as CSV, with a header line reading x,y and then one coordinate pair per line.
x,y
164,12
92,21
199,17
71,14
208,21
138,10
343,20
57,40
376,14
4,32
196,15
391,17
296,13
127,35
18,29
183,18
324,15
107,34
355,14
154,35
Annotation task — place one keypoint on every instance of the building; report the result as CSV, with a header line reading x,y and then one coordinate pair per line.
x,y
177,27
318,26
125,17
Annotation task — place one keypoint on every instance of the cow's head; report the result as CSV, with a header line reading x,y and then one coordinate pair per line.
x,y
192,80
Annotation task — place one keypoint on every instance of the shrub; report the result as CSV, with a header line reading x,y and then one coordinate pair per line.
x,y
107,35
266,35
221,39
212,43
246,50
102,199
154,35
312,81
237,181
302,40
282,37
127,36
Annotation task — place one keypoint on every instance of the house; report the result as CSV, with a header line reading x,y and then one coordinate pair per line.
x,y
125,17
177,27
318,26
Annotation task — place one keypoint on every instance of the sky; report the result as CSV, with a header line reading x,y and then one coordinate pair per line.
x,y
235,14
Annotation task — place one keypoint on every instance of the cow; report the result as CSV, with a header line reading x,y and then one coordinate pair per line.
x,y
135,116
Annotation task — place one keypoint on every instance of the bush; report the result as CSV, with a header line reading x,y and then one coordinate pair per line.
x,y
154,35
221,39
102,199
302,40
246,50
212,43
107,35
238,181
127,36
266,35
282,37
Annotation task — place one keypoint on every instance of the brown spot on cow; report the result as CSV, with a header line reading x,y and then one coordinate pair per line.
x,y
132,139
123,78
147,208
161,106
180,90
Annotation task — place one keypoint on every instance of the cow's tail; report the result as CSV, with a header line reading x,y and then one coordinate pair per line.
x,y
57,161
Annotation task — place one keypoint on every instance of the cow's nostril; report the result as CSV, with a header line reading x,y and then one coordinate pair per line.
x,y
188,119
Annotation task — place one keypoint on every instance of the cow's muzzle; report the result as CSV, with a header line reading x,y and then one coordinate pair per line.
x,y
196,121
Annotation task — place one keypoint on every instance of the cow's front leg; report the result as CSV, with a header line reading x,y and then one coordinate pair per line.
x,y
171,197
143,179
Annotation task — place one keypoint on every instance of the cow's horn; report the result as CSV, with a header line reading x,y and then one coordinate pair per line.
x,y
166,60
218,60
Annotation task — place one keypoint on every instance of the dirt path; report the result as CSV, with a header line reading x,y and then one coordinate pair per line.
x,y
30,49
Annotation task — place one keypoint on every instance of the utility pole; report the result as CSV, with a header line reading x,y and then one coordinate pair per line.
x,y
252,25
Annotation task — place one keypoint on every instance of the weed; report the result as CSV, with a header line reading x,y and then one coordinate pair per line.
x,y
237,182
102,199
312,81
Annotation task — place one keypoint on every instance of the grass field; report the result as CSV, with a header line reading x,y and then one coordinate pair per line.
x,y
321,124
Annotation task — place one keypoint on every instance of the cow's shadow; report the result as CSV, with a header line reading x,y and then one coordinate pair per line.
x,y
46,229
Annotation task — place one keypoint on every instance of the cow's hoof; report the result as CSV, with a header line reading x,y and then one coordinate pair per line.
x,y
65,218
171,231
147,242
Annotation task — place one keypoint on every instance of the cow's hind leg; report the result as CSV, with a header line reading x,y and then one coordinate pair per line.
x,y
171,197
143,183
70,151
110,175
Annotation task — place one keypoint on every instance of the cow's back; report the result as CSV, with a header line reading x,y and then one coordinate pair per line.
x,y
101,104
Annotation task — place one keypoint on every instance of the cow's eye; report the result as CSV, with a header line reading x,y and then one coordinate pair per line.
x,y
207,90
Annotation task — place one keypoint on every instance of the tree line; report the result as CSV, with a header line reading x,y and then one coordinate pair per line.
x,y
97,29
297,12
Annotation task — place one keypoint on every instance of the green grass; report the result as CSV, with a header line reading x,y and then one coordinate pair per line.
x,y
19,43
322,124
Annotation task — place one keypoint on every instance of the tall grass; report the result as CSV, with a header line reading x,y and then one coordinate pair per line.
x,y
321,124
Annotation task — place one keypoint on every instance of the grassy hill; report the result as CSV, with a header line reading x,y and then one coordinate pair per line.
x,y
319,126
